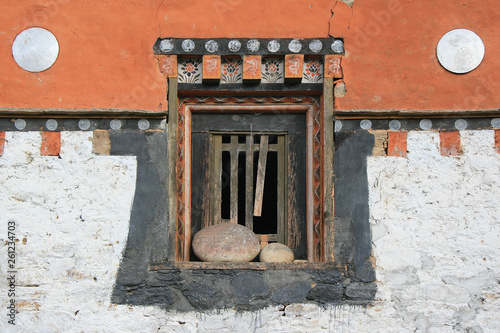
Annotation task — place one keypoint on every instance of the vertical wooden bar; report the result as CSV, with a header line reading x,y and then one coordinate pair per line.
x,y
264,240
281,190
309,183
174,252
327,249
187,185
216,180
234,179
249,183
261,175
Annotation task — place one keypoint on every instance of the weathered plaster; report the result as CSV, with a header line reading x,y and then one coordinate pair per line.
x,y
434,221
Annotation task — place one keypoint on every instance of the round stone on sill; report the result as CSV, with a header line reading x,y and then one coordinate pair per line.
x,y
276,252
226,242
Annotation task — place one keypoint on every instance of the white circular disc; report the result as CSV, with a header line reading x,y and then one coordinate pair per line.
x,y
395,125
51,124
115,124
188,45
425,124
167,45
35,49
460,51
20,124
365,124
234,45
143,124
84,124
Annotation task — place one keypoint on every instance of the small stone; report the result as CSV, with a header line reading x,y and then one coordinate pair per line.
x,y
226,242
276,252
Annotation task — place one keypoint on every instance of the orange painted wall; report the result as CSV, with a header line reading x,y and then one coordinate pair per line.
x,y
106,58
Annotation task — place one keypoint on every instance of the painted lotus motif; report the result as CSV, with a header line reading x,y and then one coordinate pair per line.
x,y
189,70
272,71
231,71
313,71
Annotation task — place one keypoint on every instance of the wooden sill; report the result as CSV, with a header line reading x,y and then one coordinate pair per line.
x,y
256,266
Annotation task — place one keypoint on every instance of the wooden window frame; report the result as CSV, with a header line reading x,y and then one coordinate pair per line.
x,y
319,165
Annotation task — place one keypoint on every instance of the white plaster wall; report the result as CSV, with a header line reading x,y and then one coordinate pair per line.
x,y
435,225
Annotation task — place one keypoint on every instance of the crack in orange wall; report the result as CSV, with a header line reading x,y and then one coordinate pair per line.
x,y
106,58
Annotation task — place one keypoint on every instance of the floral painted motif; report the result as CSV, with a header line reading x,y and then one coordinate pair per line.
x,y
272,71
313,71
189,70
231,71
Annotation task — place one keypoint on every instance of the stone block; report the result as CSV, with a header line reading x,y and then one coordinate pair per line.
x,y
326,293
295,293
249,286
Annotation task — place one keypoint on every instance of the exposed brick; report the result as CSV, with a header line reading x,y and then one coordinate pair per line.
x,y
497,140
211,67
2,142
333,66
294,65
397,144
102,143
51,144
251,67
168,65
450,143
380,144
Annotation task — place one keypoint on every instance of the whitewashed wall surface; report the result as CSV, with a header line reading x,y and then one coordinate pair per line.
x,y
435,231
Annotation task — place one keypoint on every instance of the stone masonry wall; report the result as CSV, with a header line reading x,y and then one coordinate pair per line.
x,y
435,230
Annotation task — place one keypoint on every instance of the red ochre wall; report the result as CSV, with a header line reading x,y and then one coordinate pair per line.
x,y
106,58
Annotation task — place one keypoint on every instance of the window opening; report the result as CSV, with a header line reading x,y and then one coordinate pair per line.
x,y
249,182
